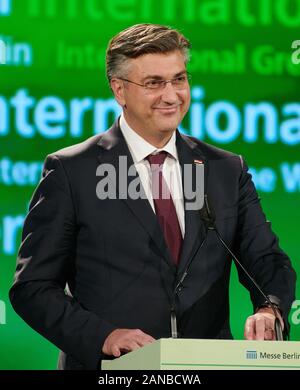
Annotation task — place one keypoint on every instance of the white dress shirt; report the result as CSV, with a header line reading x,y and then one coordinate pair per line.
x,y
140,149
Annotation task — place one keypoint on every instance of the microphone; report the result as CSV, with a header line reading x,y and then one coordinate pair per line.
x,y
208,217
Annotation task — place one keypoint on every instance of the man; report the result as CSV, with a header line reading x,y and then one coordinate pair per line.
x,y
121,257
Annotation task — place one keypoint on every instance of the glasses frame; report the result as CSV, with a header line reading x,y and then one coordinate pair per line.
x,y
161,86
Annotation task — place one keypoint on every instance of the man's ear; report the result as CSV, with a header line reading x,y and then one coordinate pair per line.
x,y
117,87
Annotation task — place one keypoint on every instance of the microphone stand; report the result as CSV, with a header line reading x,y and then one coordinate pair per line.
x,y
209,221
177,289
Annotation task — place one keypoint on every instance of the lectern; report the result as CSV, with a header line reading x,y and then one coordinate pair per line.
x,y
195,354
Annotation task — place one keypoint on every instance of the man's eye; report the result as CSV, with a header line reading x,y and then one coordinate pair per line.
x,y
153,83
180,79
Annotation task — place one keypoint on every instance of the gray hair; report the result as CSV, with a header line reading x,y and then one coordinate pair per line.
x,y
142,39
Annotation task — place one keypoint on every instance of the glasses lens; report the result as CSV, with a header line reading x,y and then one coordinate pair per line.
x,y
154,84
178,83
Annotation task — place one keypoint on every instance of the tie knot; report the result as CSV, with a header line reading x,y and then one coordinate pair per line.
x,y
157,159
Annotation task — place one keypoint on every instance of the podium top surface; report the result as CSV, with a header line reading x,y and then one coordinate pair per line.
x,y
195,354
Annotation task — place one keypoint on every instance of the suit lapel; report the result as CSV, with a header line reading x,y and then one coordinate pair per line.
x,y
188,152
112,146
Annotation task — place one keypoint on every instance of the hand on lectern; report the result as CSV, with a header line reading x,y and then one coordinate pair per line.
x,y
260,326
125,340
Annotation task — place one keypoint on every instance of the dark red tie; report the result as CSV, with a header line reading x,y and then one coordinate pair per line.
x,y
164,206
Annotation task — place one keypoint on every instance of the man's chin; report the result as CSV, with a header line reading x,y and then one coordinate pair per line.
x,y
168,124
168,128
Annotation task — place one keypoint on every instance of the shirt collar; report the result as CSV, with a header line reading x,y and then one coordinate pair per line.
x,y
140,148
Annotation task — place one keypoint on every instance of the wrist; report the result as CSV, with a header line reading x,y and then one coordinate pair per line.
x,y
272,302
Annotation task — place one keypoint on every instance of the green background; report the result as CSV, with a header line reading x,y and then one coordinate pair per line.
x,y
67,41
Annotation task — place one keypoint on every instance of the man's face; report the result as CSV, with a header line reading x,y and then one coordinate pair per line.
x,y
154,111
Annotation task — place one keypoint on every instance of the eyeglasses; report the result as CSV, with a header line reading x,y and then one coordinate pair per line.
x,y
178,83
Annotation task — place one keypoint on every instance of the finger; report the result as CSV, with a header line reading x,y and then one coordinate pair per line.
x,y
115,351
144,340
269,334
274,335
260,328
142,343
249,329
150,339
130,346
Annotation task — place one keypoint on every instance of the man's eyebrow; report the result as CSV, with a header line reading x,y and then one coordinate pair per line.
x,y
181,73
157,77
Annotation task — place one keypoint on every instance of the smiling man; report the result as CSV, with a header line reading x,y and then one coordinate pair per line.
x,y
158,96
121,257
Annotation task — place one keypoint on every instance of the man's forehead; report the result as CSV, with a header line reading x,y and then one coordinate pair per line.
x,y
159,64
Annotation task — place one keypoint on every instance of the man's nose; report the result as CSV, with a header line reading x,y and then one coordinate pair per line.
x,y
169,93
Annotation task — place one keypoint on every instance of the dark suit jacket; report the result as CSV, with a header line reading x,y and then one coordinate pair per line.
x,y
112,256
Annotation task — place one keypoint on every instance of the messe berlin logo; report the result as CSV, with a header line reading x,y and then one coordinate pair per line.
x,y
5,7
251,354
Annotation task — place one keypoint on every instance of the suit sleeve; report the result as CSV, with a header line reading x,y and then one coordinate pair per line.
x,y
258,247
45,262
